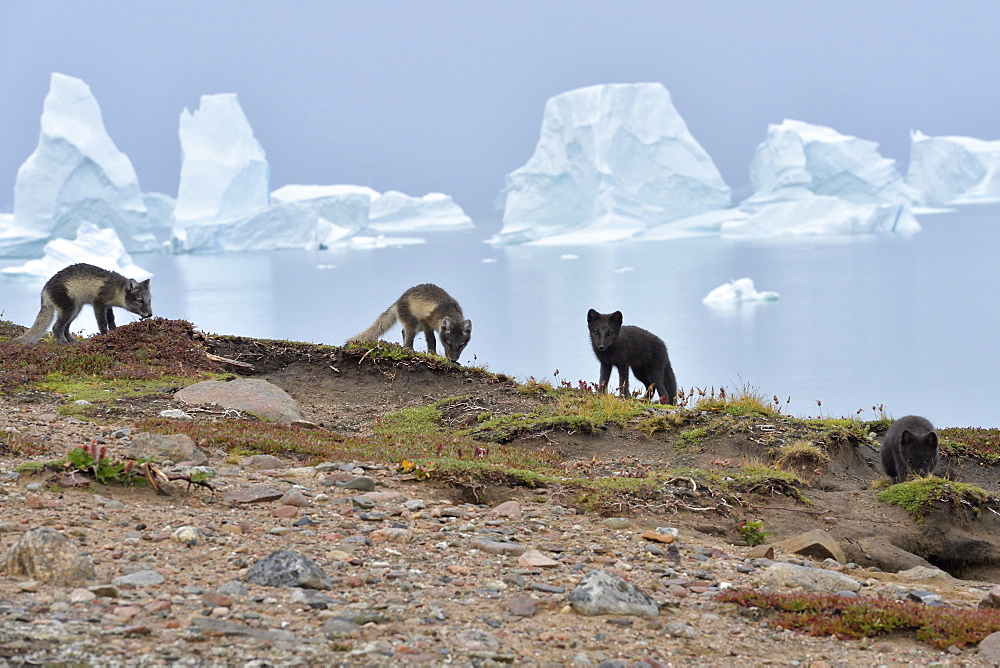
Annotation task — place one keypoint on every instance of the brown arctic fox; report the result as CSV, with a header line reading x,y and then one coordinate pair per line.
x,y
633,347
910,445
78,284
427,308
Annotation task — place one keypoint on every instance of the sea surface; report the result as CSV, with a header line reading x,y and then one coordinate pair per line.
x,y
910,323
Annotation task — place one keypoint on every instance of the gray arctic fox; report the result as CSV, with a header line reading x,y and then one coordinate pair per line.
x,y
427,308
634,347
71,288
910,445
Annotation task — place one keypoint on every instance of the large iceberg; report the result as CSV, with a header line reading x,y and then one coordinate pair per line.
x,y
954,170
224,172
611,161
93,245
75,174
812,180
825,162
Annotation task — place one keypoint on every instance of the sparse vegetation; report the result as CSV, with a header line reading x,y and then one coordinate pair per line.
x,y
920,496
843,617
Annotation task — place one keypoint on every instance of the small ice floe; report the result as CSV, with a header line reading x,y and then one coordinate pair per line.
x,y
624,270
569,256
738,291
489,260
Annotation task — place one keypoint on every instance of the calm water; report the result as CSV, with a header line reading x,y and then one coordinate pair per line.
x,y
910,323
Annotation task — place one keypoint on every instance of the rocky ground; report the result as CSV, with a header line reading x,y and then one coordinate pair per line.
x,y
399,569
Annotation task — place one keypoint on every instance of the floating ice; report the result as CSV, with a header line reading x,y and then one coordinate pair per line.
x,y
75,174
392,211
317,223
799,212
93,245
224,172
611,161
735,292
954,170
812,180
825,162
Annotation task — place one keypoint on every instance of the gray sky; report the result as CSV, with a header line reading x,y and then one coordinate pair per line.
x,y
447,96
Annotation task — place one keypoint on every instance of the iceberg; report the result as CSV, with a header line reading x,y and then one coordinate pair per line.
x,y
389,212
93,245
314,223
812,180
734,292
75,174
611,161
224,172
954,170
825,162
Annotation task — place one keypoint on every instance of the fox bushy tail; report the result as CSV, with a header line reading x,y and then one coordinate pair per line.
x,y
41,325
378,328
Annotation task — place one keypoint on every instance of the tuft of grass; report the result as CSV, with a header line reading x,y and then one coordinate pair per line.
x,y
745,401
845,617
12,443
692,436
801,453
920,496
573,410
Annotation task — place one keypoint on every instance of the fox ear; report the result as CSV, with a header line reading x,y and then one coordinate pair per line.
x,y
906,437
445,324
932,439
145,283
131,284
616,318
467,327
592,315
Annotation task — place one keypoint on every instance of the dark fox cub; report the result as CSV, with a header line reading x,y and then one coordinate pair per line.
x,y
71,288
634,347
426,308
910,445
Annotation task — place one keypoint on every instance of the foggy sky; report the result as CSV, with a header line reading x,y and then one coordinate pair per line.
x,y
447,96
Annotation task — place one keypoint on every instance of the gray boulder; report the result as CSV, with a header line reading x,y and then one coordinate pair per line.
x,y
46,555
603,593
287,568
250,395
175,447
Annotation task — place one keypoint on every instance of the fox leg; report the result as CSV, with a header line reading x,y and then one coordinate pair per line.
x,y
66,316
602,385
623,379
431,341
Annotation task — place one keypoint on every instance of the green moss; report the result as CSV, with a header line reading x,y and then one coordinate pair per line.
x,y
692,436
411,421
573,410
920,496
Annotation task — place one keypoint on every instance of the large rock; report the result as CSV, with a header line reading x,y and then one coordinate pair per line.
x,y
816,543
790,576
46,555
250,395
287,568
175,447
603,593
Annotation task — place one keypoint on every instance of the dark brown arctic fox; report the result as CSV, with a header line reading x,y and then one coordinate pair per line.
x,y
910,445
427,308
78,284
634,347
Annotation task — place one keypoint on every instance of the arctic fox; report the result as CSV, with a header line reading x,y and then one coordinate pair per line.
x,y
78,284
634,347
910,445
427,308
